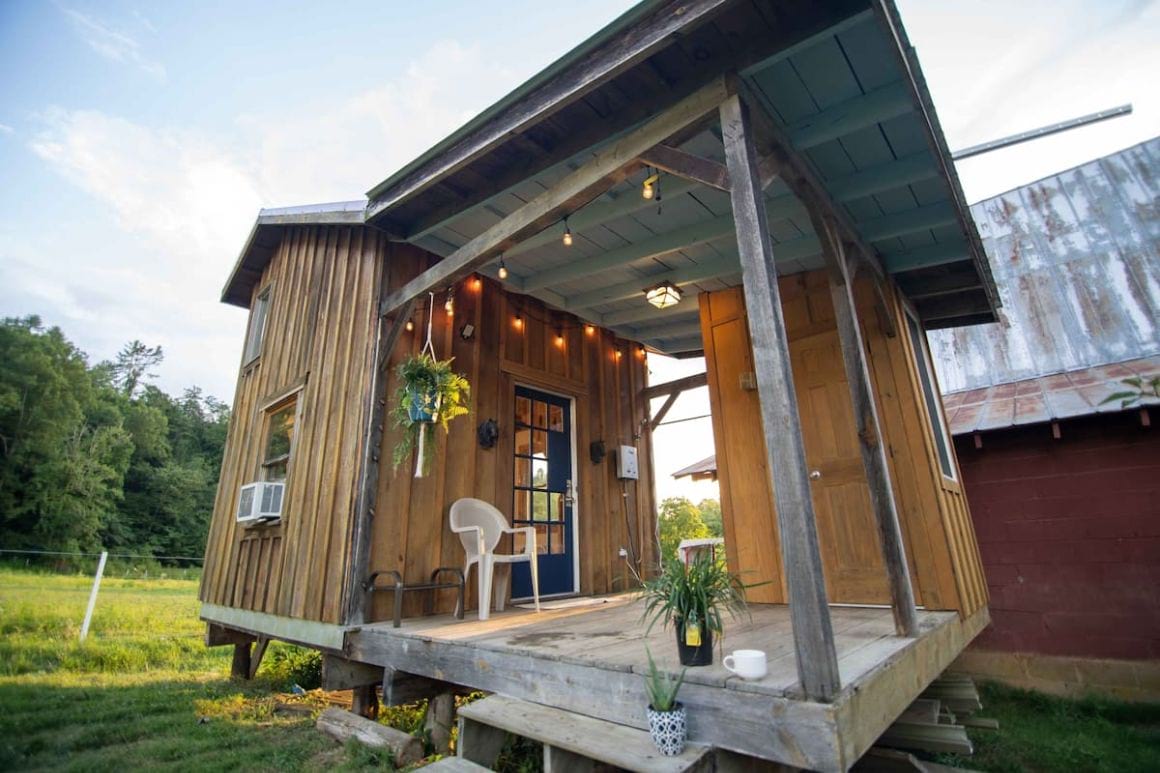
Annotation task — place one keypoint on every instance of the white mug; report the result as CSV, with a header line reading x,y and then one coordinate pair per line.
x,y
747,664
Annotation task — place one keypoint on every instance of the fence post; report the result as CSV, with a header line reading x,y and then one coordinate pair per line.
x,y
93,594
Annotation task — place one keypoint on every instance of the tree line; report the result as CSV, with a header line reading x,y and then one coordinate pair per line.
x,y
95,456
680,519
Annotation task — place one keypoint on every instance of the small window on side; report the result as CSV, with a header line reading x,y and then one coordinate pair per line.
x,y
280,422
257,329
931,396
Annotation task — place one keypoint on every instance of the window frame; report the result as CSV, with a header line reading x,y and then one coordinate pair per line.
x,y
931,396
269,411
256,329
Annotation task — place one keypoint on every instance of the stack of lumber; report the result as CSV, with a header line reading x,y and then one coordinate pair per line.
x,y
936,722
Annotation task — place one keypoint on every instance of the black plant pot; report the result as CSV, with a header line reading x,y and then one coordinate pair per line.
x,y
695,656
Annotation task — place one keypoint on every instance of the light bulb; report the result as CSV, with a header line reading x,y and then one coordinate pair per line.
x,y
567,235
410,325
647,191
503,272
590,329
449,304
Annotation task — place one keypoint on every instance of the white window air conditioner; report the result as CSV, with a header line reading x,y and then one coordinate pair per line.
x,y
260,502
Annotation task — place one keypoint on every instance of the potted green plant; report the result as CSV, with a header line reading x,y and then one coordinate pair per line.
x,y
691,597
667,723
429,393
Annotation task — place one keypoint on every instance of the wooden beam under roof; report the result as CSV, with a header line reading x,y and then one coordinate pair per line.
x,y
632,45
644,311
604,169
705,171
778,207
847,117
884,177
908,221
926,257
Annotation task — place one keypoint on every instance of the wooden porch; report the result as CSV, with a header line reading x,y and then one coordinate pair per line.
x,y
588,655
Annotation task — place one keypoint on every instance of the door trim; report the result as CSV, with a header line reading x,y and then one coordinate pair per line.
x,y
572,399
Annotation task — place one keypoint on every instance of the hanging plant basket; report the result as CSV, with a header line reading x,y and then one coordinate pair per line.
x,y
430,394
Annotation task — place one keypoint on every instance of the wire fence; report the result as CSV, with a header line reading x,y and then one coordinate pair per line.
x,y
142,566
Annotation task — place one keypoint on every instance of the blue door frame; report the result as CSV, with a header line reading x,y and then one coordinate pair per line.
x,y
542,490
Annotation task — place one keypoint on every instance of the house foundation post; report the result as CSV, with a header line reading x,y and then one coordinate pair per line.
x,y
813,632
869,429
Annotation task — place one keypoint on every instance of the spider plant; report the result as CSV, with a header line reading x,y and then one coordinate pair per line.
x,y
696,593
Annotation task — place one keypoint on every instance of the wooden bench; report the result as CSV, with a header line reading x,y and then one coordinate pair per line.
x,y
572,742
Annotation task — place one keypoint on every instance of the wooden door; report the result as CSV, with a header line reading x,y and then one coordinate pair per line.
x,y
849,540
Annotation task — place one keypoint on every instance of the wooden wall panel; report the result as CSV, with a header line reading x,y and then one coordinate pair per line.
x,y
410,532
318,339
937,531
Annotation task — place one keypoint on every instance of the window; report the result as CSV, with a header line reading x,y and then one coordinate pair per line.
x,y
257,327
280,421
930,394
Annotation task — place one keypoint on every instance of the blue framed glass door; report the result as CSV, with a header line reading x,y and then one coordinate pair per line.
x,y
542,490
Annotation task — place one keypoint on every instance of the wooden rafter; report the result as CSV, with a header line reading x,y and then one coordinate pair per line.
x,y
692,167
785,448
600,173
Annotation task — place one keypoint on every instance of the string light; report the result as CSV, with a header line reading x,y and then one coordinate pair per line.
x,y
648,188
410,325
619,354
518,322
449,304
640,351
560,337
477,284
503,272
590,329
567,234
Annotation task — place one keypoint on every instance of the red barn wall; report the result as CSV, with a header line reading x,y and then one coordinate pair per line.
x,y
1069,532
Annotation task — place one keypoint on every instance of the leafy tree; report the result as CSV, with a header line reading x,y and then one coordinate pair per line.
x,y
135,363
711,515
679,519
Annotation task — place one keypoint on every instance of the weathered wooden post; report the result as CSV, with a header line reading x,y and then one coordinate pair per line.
x,y
813,633
869,430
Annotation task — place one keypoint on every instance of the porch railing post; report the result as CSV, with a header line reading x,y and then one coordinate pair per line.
x,y
869,429
813,632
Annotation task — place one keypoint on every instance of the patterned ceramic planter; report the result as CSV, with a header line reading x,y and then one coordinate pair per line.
x,y
668,729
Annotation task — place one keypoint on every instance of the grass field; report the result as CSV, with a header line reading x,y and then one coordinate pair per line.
x,y
144,693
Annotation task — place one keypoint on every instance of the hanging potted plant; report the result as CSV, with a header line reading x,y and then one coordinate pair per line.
x,y
666,717
691,598
430,393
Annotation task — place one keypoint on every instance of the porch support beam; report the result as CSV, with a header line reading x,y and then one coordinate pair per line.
x,y
605,169
869,431
813,632
675,387
689,166
800,179
364,514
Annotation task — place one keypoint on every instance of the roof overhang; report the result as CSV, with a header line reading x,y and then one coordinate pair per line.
x,y
839,79
266,235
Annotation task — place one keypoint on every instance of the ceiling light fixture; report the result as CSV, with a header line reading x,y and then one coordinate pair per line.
x,y
663,295
648,188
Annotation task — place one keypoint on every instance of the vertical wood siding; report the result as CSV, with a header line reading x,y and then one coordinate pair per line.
x,y
324,283
318,338
936,524
410,531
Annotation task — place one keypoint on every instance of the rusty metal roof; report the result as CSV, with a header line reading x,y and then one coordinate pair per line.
x,y
1045,398
1076,257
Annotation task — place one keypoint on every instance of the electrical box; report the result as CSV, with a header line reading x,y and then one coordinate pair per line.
x,y
626,466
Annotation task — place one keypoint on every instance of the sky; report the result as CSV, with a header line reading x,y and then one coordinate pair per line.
x,y
139,140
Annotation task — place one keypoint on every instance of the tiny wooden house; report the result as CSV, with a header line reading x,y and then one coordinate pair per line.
x,y
764,183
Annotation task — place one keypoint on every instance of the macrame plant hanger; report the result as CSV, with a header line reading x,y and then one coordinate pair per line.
x,y
428,348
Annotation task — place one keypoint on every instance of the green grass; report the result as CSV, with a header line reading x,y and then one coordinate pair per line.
x,y
1040,732
145,693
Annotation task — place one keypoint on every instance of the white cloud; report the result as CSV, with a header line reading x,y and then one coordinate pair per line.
x,y
113,44
186,198
6,129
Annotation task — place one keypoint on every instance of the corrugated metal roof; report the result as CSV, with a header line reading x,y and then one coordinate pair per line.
x,y
1045,398
1076,257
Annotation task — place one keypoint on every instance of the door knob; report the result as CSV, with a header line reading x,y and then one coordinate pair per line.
x,y
816,475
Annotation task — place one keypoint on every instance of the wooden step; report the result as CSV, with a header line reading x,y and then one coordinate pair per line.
x,y
570,738
455,765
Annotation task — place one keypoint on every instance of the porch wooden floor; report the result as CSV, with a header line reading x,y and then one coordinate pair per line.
x,y
586,655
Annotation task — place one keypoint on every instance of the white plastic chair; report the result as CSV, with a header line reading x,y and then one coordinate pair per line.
x,y
480,527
